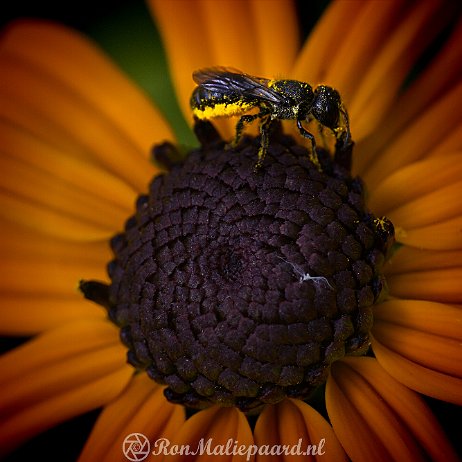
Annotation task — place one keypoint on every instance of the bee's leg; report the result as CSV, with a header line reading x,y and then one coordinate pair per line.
x,y
306,134
265,128
243,121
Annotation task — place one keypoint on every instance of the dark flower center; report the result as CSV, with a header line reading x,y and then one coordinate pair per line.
x,y
241,287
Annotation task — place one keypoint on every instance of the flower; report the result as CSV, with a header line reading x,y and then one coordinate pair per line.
x,y
76,136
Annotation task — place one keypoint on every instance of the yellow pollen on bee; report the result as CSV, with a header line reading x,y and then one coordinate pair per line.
x,y
222,110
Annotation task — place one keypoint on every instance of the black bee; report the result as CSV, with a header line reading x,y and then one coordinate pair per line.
x,y
223,92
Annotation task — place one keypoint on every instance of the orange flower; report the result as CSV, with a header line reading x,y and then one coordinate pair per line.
x,y
76,134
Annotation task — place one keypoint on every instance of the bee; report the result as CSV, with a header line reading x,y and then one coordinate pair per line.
x,y
224,92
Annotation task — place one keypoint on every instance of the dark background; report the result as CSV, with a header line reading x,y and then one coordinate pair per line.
x,y
80,15
64,443
85,14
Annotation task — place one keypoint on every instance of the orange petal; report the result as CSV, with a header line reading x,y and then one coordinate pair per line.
x,y
312,65
354,54
21,242
61,407
276,52
436,353
49,221
449,144
73,173
48,358
392,418
215,427
440,75
41,275
294,425
233,42
441,236
418,139
419,378
196,40
429,209
59,375
380,84
244,41
409,259
48,91
436,318
132,412
441,285
365,425
413,181
26,315
56,345
32,185
186,44
427,334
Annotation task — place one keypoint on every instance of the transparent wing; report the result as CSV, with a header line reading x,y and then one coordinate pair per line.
x,y
226,80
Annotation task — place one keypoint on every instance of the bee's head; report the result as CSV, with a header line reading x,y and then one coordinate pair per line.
x,y
326,106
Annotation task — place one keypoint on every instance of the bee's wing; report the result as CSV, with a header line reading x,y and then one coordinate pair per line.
x,y
225,80
214,73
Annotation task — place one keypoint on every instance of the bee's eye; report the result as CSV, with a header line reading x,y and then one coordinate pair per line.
x,y
326,106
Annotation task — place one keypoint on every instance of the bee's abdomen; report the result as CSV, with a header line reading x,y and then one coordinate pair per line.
x,y
207,104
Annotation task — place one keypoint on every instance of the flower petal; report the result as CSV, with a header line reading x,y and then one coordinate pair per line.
x,y
432,208
417,141
409,259
435,318
413,181
60,407
442,285
47,91
132,412
32,185
40,275
440,236
216,425
25,315
230,40
374,21
436,352
276,52
425,274
377,418
186,43
36,277
21,242
291,422
449,144
53,222
433,365
311,64
379,86
417,377
421,94
57,376
27,154
197,40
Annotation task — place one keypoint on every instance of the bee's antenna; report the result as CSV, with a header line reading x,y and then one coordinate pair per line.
x,y
346,121
344,144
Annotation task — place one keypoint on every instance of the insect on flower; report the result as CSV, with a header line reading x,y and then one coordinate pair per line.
x,y
224,92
